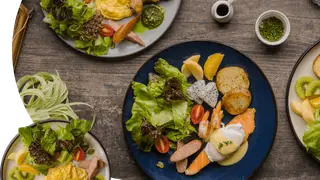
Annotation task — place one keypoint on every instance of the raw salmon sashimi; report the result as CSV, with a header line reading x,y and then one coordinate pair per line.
x,y
248,123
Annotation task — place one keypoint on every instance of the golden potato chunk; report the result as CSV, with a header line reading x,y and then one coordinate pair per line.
x,y
236,101
316,66
232,77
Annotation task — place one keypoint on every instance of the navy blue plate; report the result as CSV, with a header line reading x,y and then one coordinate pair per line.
x,y
263,100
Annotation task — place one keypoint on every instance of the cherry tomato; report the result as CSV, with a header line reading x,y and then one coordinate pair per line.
x,y
57,155
197,113
87,1
106,31
78,154
162,144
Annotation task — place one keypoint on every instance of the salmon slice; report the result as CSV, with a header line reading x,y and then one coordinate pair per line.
x,y
133,37
247,121
200,162
183,164
186,151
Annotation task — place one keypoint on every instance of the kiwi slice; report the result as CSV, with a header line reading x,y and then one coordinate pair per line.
x,y
317,115
313,89
16,174
301,86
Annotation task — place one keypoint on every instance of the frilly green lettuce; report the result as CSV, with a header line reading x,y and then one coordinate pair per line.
x,y
311,138
149,107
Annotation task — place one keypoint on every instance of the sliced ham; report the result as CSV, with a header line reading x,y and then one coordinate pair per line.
x,y
186,150
131,36
92,166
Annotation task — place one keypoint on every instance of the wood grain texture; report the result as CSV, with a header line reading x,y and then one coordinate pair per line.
x,y
104,83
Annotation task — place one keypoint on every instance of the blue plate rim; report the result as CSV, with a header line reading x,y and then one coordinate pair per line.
x,y
43,122
204,41
287,96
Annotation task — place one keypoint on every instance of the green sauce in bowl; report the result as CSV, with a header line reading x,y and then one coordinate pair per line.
x,y
271,29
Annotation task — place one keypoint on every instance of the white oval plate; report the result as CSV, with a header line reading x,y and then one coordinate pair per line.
x,y
16,144
126,48
303,67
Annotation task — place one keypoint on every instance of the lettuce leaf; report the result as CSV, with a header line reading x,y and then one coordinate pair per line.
x,y
64,134
59,27
26,135
45,4
65,157
179,111
101,46
156,85
311,139
161,118
167,71
83,125
48,141
151,114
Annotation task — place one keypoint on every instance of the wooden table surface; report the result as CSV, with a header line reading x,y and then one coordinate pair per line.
x,y
103,83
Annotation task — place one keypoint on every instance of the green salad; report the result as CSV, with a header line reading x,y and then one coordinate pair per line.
x,y
311,138
161,109
77,20
47,148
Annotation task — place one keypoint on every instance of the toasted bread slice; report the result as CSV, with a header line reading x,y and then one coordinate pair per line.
x,y
316,66
230,78
236,101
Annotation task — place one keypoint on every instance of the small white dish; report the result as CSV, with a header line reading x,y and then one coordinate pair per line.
x,y
285,21
222,11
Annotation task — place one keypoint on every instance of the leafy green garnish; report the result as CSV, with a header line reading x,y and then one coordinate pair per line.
x,y
26,135
48,141
311,138
152,114
64,134
83,125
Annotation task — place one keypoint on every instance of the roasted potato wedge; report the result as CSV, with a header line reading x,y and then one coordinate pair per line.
x,y
236,101
316,66
229,78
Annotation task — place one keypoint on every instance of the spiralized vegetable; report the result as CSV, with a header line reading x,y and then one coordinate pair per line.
x,y
45,96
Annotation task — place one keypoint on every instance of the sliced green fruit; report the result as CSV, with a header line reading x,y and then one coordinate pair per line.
x,y
313,88
301,86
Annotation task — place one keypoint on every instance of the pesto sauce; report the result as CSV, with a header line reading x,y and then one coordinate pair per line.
x,y
271,29
139,28
152,16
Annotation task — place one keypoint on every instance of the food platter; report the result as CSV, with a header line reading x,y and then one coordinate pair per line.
x,y
126,48
303,67
260,142
16,144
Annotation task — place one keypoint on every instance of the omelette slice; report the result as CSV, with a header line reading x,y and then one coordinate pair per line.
x,y
114,9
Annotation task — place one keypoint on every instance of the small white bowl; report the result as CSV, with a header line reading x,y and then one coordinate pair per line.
x,y
280,16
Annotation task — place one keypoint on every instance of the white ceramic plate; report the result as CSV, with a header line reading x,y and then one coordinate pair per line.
x,y
303,67
126,48
16,144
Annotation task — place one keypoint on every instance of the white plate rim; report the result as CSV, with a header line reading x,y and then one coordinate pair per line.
x,y
43,122
287,105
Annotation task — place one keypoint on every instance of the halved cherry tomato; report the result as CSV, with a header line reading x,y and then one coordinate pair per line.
x,y
57,155
106,31
162,144
78,154
87,1
197,113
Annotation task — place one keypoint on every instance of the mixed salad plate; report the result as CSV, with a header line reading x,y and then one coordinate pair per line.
x,y
199,110
303,100
109,28
55,149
